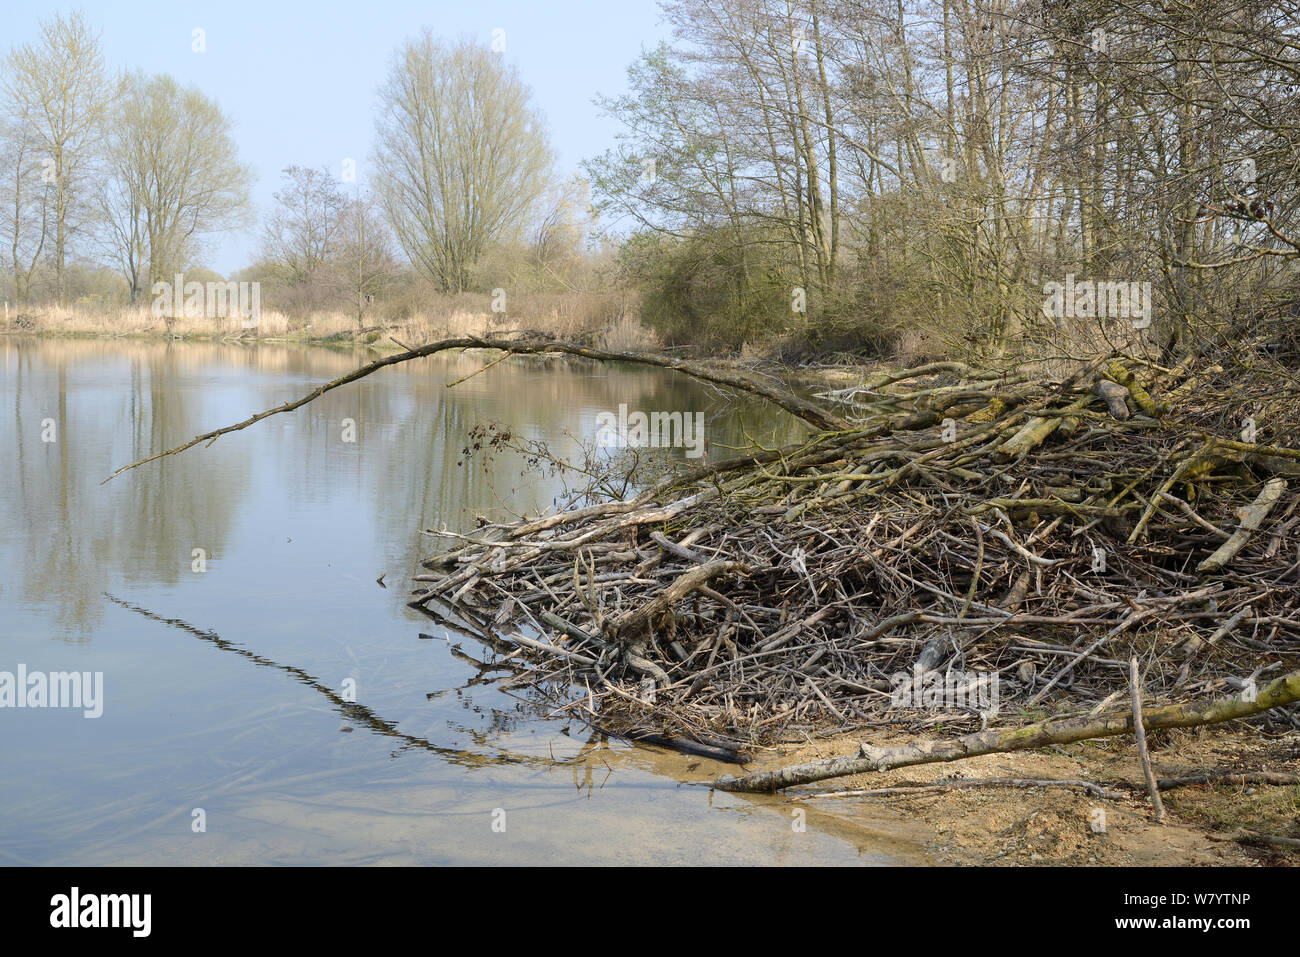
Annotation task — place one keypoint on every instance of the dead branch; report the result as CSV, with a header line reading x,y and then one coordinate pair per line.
x,y
1140,732
802,408
1251,519
1280,691
907,790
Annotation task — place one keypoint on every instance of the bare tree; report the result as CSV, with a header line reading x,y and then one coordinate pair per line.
x,y
461,156
59,89
25,213
363,261
122,204
555,241
300,231
176,174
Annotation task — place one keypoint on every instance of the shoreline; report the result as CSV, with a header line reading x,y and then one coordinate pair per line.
x,y
1007,824
336,339
995,824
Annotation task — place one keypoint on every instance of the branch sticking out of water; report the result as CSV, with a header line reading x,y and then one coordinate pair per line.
x,y
810,412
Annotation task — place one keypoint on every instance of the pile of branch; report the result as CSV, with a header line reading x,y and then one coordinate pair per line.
x,y
956,520
942,520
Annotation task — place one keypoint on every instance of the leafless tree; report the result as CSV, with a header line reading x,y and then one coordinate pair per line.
x,y
462,155
176,175
301,230
59,89
362,254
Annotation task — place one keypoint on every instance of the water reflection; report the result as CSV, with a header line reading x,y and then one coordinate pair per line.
x,y
223,687
128,399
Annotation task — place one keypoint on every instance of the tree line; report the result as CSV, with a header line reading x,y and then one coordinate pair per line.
x,y
133,175
845,173
866,170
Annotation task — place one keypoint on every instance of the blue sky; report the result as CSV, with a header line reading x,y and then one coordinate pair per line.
x,y
299,79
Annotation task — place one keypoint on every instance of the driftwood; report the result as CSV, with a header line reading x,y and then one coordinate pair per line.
x,y
1100,789
1259,840
964,784
1115,396
1278,778
1280,691
1251,519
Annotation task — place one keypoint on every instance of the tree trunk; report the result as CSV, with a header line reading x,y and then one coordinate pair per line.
x,y
1280,691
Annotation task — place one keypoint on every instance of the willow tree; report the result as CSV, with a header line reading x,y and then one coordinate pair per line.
x,y
461,155
59,89
176,174
25,206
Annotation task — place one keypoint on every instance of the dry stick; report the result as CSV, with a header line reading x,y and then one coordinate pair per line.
x,y
1280,691
1191,514
551,649
1220,777
1153,505
1194,643
964,783
1140,733
632,624
455,382
1252,517
1130,619
810,412
1247,837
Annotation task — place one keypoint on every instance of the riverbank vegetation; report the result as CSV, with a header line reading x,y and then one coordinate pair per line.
x,y
804,178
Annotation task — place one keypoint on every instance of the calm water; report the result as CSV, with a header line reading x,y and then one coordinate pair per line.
x,y
224,690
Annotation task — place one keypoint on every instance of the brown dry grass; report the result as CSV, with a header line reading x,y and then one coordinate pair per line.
x,y
564,316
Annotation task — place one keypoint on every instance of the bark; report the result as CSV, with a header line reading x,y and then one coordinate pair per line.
x,y
1280,691
1252,518
810,412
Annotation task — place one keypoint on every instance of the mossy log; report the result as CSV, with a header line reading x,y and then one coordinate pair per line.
x,y
1280,691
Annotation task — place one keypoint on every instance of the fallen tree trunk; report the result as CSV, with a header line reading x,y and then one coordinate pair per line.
x,y
810,412
1280,691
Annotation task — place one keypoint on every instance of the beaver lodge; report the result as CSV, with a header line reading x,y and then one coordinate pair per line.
x,y
1042,529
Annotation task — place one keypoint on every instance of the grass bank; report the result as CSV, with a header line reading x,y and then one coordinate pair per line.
x,y
564,317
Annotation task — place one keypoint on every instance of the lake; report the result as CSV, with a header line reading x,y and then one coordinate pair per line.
x,y
264,699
